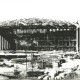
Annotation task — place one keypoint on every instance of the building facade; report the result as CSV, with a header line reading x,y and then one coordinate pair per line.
x,y
40,37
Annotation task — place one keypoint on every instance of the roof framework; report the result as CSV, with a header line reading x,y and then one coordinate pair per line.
x,y
36,23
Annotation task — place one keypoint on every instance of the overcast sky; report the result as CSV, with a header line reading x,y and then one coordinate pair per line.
x,y
68,10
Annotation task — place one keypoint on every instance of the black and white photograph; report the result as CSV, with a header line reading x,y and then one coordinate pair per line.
x,y
39,40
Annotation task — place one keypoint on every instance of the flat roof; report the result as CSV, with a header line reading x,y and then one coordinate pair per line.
x,y
36,23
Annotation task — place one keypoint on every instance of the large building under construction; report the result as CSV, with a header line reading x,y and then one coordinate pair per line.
x,y
39,34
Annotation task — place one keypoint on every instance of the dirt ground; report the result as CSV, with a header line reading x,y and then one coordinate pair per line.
x,y
37,79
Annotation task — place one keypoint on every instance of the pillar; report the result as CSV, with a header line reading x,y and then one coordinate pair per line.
x,y
5,41
0,42
4,44
79,39
76,39
9,45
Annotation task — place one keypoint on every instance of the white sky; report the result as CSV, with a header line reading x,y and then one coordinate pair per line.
x,y
68,10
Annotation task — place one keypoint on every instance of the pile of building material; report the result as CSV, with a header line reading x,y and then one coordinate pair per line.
x,y
68,69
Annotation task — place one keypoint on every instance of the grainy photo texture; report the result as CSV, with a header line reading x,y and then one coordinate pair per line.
x,y
39,40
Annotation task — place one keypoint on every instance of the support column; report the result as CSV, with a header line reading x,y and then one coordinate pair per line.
x,y
7,44
77,24
0,42
77,39
4,43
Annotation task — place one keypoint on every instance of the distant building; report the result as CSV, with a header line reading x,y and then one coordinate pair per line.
x,y
39,35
